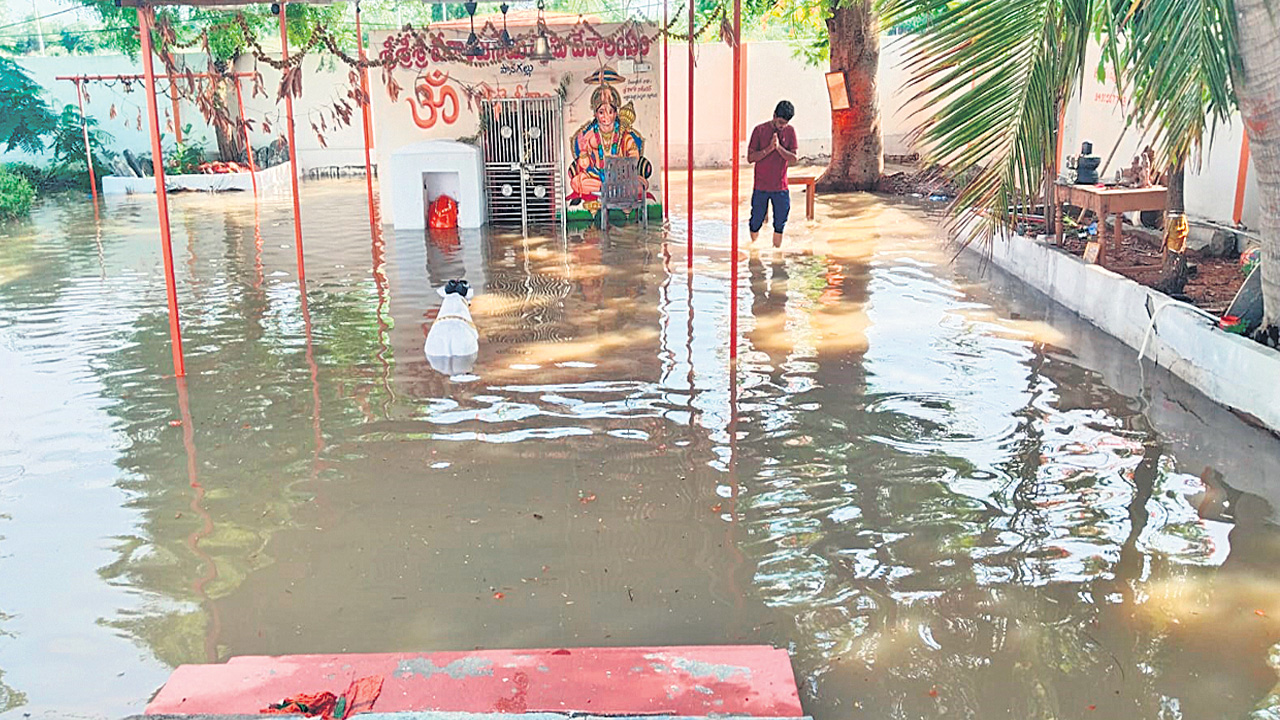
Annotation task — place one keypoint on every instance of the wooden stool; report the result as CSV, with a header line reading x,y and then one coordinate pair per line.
x,y
808,181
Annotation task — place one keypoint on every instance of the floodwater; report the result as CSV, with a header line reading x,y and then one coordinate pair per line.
x,y
943,495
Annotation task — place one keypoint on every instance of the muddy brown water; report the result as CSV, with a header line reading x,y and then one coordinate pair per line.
x,y
945,496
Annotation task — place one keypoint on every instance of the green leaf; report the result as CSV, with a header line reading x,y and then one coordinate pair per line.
x,y
993,76
25,119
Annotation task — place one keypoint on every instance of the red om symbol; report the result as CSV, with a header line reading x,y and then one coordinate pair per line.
x,y
425,92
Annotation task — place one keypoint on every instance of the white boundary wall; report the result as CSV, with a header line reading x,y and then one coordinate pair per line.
x,y
772,73
321,80
1097,115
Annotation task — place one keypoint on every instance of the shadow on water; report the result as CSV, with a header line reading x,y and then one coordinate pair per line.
x,y
944,495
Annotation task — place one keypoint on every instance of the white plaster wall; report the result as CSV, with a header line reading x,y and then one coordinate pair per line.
x,y
1097,114
772,72
123,128
898,113
324,82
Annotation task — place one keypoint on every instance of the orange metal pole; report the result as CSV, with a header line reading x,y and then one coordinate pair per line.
x,y
206,526
689,160
743,63
375,230
1242,176
368,124
666,119
733,193
293,155
88,151
248,146
145,20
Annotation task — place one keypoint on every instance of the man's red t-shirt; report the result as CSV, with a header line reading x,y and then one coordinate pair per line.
x,y
771,170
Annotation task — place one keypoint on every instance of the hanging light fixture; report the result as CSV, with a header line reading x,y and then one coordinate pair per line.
x,y
473,48
506,36
541,43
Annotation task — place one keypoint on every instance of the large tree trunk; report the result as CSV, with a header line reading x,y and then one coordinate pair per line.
x,y
857,149
1173,272
1258,34
230,140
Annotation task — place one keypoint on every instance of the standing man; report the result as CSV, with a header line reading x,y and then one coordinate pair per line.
x,y
772,149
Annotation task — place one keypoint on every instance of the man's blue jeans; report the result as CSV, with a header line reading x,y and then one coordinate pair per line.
x,y
760,200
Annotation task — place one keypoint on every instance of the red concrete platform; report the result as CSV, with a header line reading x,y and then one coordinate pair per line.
x,y
690,681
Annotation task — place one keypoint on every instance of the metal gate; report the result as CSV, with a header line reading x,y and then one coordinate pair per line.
x,y
524,148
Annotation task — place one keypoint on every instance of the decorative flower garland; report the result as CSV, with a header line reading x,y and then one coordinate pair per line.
x,y
415,49
410,49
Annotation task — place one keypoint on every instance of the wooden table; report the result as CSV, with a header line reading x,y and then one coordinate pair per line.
x,y
1104,201
808,181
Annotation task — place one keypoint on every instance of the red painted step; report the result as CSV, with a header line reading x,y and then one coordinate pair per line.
x,y
750,680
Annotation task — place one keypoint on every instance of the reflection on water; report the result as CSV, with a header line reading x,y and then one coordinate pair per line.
x,y
921,481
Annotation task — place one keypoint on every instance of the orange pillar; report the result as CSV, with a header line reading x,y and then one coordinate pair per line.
x,y
88,151
742,78
145,19
368,123
689,160
248,146
666,119
1242,176
733,191
293,154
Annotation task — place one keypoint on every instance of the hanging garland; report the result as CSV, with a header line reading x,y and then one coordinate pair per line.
x,y
410,49
414,49
718,16
285,62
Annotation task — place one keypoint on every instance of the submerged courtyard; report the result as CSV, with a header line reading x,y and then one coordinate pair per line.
x,y
943,495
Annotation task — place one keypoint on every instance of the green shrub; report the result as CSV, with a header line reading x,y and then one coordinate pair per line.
x,y
58,177
32,174
61,177
15,195
186,156
25,119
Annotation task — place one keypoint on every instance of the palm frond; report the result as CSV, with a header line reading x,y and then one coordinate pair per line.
x,y
993,76
1181,55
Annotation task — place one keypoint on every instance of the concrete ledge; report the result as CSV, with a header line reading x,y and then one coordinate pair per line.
x,y
695,681
270,180
432,715
1231,370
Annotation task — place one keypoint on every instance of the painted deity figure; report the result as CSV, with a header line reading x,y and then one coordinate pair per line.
x,y
608,133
